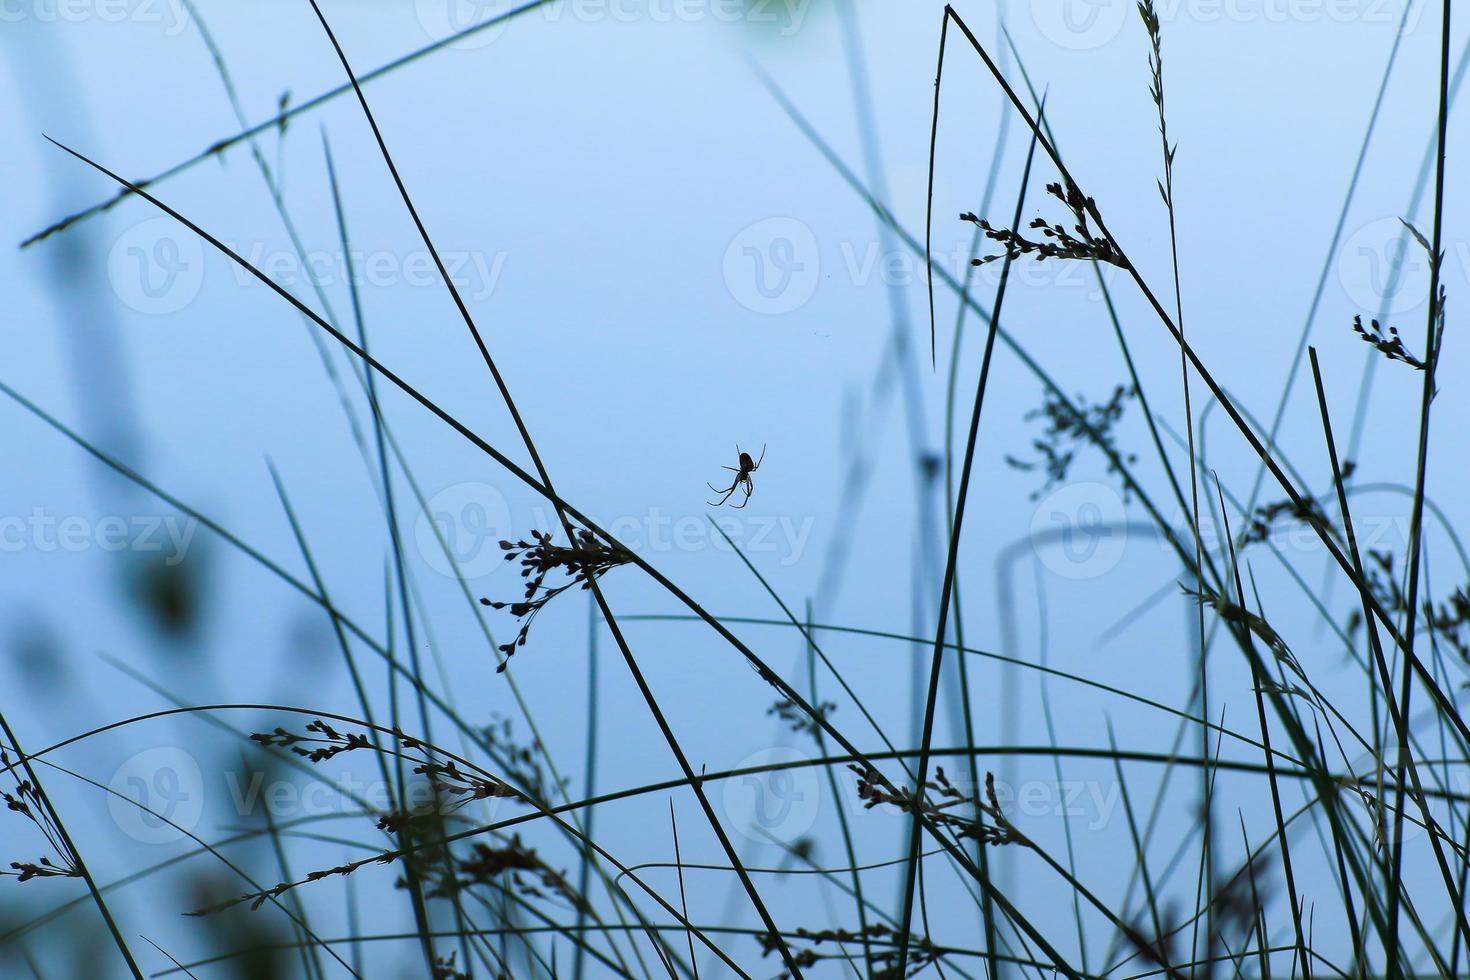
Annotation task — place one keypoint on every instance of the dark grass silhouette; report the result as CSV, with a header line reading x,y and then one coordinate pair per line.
x,y
477,819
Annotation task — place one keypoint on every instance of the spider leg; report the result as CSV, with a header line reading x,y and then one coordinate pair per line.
x,y
749,487
762,459
727,493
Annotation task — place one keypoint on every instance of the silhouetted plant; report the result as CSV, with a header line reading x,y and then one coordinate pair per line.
x,y
586,559
798,720
1056,242
942,811
882,963
1308,511
1391,344
1230,612
1069,427
27,802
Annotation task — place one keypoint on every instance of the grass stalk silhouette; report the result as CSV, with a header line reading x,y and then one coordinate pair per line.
x,y
1349,775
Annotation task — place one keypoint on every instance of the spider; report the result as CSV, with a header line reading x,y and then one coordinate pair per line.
x,y
742,479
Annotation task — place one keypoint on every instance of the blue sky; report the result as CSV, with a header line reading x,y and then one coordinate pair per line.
x,y
665,267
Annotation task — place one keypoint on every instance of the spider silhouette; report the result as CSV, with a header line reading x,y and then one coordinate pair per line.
x,y
742,479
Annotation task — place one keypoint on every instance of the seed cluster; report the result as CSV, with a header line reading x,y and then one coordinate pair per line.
x,y
1056,242
581,562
